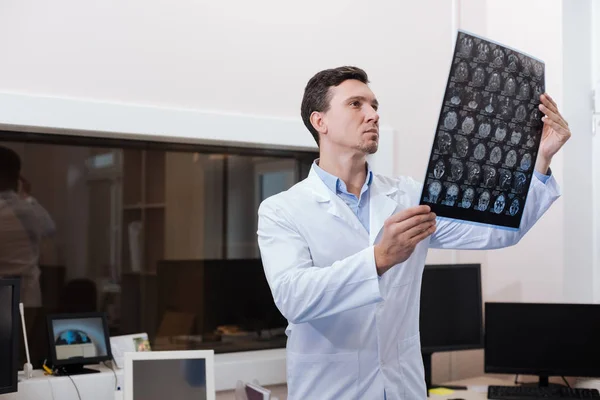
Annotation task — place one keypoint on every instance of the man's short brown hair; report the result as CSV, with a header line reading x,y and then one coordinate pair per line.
x,y
317,96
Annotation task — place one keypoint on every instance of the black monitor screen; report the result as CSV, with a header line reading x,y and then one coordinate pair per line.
x,y
450,315
9,322
169,379
80,339
542,339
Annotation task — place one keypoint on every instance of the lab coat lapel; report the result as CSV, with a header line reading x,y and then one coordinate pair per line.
x,y
335,206
382,205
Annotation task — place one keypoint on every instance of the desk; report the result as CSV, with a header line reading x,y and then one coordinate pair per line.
x,y
101,386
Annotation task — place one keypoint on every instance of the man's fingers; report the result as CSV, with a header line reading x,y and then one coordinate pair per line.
x,y
419,229
561,130
409,213
415,240
406,225
549,98
549,103
553,116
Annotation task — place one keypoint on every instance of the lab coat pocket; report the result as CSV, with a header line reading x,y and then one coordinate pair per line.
x,y
332,376
411,365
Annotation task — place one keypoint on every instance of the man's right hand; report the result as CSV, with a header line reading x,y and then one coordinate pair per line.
x,y
401,234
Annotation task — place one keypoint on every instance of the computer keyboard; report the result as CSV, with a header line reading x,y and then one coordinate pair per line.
x,y
536,392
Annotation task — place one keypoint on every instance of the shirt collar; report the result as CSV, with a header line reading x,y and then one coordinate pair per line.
x,y
335,184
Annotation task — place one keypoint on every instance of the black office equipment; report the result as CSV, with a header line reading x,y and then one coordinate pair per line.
x,y
450,314
542,339
9,334
76,340
540,392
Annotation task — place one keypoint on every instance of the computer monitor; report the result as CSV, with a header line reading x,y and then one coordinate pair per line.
x,y
451,311
542,339
159,375
76,340
9,334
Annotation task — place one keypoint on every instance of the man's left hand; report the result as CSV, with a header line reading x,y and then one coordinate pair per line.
x,y
555,134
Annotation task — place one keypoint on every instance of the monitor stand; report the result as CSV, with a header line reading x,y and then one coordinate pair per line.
x,y
542,382
76,369
427,366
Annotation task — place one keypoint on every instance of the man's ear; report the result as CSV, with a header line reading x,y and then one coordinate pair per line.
x,y
317,119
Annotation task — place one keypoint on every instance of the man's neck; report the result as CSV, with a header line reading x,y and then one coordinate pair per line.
x,y
350,169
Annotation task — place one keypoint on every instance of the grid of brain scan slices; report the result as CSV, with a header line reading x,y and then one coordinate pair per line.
x,y
488,134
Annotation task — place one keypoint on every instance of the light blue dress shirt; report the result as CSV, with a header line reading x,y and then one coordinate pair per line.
x,y
358,205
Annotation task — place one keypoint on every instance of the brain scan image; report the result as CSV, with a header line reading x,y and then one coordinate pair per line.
x,y
511,158
462,71
484,201
514,207
510,87
515,138
505,179
490,105
467,199
495,155
484,129
444,143
451,120
513,63
521,113
439,169
434,190
456,96
462,146
468,125
466,46
451,196
499,204
506,109
479,152
526,67
495,82
526,162
530,141
524,91
483,51
478,77
474,100
500,133
474,174
538,69
456,170
498,58
489,176
537,91
520,181
535,118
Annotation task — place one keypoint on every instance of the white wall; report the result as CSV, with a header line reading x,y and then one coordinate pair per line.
x,y
578,166
596,144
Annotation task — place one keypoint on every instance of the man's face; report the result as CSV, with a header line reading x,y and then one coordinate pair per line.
x,y
352,121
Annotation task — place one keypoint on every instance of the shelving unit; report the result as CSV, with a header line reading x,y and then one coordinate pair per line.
x,y
144,201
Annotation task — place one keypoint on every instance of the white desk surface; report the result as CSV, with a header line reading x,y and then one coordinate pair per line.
x,y
101,386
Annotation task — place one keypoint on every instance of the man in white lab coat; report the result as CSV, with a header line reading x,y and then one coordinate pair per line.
x,y
344,250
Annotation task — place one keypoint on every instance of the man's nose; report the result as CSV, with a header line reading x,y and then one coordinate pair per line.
x,y
372,114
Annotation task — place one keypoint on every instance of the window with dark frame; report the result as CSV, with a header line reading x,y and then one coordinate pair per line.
x,y
159,236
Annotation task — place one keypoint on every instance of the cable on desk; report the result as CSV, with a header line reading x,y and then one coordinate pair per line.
x,y
51,388
114,373
567,382
78,394
516,379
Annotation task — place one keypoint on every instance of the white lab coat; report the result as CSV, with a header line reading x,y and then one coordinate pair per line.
x,y
351,334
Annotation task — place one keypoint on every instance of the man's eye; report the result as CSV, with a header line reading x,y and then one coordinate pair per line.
x,y
355,103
